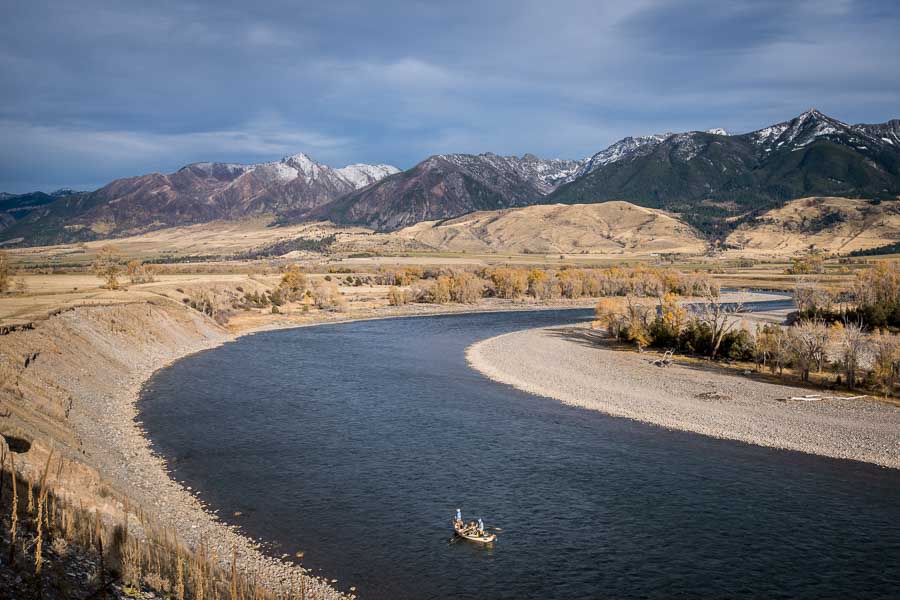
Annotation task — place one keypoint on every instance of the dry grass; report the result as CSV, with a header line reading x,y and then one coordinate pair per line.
x,y
133,551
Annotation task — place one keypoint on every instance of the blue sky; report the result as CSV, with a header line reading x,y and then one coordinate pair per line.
x,y
95,90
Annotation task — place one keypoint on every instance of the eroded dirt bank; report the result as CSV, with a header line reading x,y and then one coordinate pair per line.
x,y
71,382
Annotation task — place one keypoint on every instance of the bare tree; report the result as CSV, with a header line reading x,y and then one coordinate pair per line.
x,y
809,294
719,316
852,342
886,351
326,295
809,341
773,348
108,265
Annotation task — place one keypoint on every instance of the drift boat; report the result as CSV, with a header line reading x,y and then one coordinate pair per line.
x,y
485,538
473,534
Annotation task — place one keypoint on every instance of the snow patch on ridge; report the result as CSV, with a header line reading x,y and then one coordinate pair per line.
x,y
360,175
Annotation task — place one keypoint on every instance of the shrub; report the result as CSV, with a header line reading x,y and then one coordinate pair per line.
x,y
138,272
466,288
396,297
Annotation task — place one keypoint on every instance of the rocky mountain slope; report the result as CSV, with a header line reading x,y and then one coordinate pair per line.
x,y
196,193
709,176
605,228
713,180
449,185
832,225
15,207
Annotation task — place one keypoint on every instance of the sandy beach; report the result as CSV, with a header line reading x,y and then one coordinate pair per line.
x,y
567,364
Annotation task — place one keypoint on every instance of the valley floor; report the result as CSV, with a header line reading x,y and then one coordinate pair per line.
x,y
568,364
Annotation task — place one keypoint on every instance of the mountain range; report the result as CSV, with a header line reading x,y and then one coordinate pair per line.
x,y
708,177
714,180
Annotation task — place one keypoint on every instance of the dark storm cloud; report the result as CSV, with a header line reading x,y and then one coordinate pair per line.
x,y
96,90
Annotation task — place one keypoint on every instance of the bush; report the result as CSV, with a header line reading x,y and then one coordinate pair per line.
x,y
396,297
327,296
738,345
138,272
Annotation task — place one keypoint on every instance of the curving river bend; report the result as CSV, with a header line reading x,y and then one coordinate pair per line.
x,y
356,442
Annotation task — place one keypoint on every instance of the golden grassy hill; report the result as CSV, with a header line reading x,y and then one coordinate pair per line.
x,y
833,225
604,228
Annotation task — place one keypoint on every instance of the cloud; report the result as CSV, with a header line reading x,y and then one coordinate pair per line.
x,y
87,155
115,89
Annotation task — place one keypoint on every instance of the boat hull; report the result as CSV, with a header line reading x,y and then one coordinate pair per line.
x,y
481,539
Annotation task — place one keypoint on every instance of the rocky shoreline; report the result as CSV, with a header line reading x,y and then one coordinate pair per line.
x,y
73,381
91,363
567,364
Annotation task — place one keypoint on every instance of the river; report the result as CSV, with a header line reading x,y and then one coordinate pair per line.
x,y
355,443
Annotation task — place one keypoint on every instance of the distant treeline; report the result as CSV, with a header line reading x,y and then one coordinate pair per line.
x,y
887,249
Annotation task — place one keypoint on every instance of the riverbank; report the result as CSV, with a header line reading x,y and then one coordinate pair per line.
x,y
570,365
71,381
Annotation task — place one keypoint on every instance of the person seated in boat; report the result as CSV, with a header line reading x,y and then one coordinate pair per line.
x,y
471,526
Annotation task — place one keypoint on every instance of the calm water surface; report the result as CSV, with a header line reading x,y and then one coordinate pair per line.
x,y
356,442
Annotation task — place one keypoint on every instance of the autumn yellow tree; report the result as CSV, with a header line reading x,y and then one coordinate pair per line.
x,y
293,283
466,287
509,283
571,283
610,313
440,291
670,320
536,278
108,265
638,322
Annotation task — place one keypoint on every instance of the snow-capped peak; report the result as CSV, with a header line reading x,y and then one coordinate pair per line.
x,y
800,131
717,131
360,175
624,149
303,164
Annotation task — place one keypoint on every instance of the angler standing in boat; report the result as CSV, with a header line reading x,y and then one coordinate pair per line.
x,y
473,531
